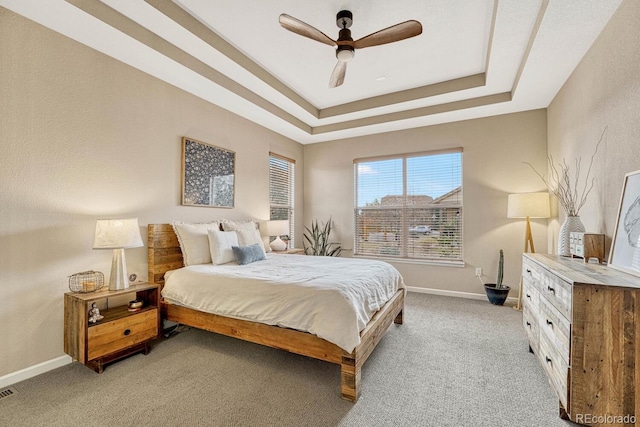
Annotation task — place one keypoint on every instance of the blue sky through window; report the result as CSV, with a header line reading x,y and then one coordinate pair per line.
x,y
432,175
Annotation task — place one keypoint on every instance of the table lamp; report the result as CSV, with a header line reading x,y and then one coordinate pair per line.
x,y
528,205
118,234
276,228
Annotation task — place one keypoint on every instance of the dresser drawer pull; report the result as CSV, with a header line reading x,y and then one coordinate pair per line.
x,y
550,289
549,322
127,332
549,361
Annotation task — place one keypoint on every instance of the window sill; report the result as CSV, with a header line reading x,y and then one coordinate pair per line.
x,y
439,263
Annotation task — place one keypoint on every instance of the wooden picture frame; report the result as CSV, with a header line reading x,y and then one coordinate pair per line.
x,y
208,175
625,246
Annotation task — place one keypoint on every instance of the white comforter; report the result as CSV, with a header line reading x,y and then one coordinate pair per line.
x,y
333,298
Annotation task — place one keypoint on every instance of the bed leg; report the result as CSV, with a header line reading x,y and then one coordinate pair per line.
x,y
398,320
350,379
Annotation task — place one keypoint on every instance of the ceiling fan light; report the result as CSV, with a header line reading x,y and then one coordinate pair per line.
x,y
345,55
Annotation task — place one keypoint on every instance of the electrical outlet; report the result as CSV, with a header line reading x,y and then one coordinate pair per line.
x,y
479,272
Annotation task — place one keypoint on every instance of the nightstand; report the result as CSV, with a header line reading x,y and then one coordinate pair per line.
x,y
119,334
298,251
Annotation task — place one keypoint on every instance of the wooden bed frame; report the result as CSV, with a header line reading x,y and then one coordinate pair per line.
x,y
165,255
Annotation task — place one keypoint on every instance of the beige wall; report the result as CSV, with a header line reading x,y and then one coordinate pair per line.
x,y
85,137
604,90
494,151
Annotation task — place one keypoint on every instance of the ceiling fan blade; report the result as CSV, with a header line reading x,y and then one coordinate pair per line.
x,y
302,28
395,33
337,77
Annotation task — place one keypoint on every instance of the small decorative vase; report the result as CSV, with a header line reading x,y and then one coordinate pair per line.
x,y
571,223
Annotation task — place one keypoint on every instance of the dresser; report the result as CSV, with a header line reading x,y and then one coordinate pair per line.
x,y
582,321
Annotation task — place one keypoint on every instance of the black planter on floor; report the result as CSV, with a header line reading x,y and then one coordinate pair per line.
x,y
496,296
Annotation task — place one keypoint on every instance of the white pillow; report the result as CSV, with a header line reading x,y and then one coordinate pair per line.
x,y
250,237
220,243
194,241
228,225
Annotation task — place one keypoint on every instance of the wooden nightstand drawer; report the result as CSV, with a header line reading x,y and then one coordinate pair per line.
x,y
118,332
112,336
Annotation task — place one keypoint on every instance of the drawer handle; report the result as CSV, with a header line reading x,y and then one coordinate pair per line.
x,y
550,289
127,332
549,322
549,361
529,324
528,296
528,270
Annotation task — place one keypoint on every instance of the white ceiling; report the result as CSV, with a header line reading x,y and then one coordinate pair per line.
x,y
475,58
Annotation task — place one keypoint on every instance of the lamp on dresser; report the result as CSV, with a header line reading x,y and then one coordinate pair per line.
x,y
276,228
118,234
528,205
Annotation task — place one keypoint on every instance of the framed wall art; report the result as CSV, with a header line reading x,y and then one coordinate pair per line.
x,y
208,174
625,246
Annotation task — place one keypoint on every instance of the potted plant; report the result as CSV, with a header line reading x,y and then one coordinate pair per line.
x,y
316,240
497,292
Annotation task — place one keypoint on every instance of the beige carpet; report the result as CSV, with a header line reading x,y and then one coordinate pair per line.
x,y
454,362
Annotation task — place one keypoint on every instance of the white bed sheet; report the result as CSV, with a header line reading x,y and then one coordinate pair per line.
x,y
333,298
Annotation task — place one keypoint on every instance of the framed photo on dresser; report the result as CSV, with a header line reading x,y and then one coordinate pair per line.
x,y
625,246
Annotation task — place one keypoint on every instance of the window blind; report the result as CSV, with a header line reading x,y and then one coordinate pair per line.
x,y
281,189
409,206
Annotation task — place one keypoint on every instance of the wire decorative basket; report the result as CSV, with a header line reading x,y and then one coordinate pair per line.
x,y
86,281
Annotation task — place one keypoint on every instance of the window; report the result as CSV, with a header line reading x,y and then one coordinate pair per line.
x,y
410,206
281,189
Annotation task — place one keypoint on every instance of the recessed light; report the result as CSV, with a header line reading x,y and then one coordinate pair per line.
x,y
381,78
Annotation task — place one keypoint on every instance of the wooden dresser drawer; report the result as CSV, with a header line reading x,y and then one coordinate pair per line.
x,y
115,335
531,326
550,286
556,328
556,368
530,295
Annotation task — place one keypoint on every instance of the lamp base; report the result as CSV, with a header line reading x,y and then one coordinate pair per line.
x,y
278,245
118,279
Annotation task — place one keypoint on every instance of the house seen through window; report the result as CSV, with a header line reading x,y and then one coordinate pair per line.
x,y
409,206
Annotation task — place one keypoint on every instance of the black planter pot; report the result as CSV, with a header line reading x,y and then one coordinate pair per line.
x,y
496,296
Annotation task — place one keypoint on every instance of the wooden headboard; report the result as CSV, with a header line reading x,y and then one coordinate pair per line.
x,y
164,251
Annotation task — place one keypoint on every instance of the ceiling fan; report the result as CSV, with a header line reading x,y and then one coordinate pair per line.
x,y
345,46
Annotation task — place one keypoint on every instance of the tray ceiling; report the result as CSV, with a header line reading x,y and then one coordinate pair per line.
x,y
475,58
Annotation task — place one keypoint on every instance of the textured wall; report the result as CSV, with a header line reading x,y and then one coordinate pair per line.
x,y
604,90
86,137
494,151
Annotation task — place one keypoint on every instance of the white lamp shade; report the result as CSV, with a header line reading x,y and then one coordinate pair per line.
x,y
532,205
117,234
275,228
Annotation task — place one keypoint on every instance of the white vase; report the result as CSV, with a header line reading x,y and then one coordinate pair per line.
x,y
571,223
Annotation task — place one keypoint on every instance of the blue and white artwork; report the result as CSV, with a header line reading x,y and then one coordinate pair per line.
x,y
208,174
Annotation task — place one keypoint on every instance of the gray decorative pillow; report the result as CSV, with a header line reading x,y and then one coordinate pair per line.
x,y
248,254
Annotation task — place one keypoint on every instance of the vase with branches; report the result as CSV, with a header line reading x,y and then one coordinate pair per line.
x,y
571,192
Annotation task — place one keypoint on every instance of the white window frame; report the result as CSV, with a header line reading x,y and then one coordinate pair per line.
x,y
401,246
289,182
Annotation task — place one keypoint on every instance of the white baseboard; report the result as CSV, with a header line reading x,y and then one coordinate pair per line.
x,y
456,294
41,368
32,371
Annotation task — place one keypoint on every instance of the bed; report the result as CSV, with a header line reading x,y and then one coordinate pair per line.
x,y
165,255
